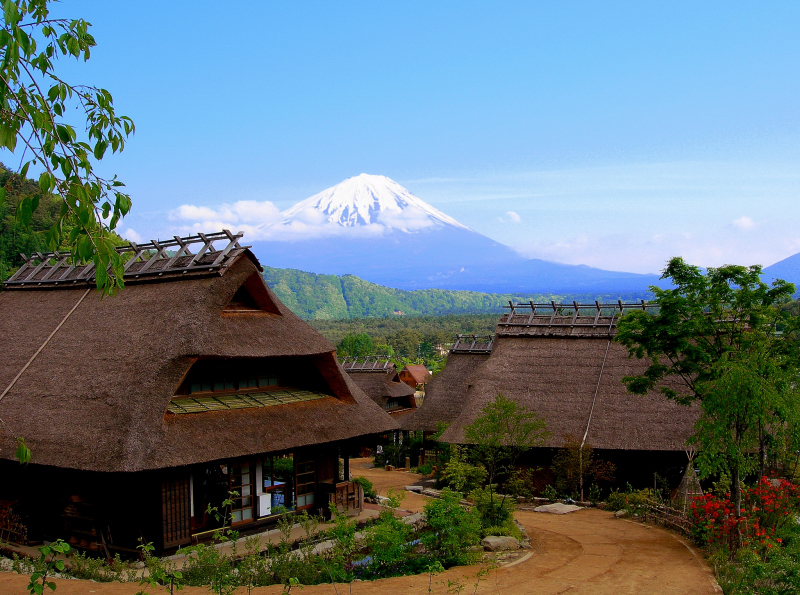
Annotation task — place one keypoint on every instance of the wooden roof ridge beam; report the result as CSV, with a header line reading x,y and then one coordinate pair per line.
x,y
161,254
25,266
62,258
58,272
183,251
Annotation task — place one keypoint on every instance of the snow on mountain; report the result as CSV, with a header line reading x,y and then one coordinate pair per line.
x,y
364,205
372,227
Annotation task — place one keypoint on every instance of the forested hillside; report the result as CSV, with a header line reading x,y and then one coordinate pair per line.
x,y
16,238
330,297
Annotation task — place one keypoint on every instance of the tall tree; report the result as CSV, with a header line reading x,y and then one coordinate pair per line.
x,y
33,102
498,437
715,342
357,345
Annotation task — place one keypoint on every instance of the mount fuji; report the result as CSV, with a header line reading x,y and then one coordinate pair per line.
x,y
365,203
372,227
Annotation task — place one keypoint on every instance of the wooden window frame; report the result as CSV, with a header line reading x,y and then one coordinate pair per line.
x,y
234,470
298,484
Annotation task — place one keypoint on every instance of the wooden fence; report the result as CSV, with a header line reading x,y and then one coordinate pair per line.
x,y
666,516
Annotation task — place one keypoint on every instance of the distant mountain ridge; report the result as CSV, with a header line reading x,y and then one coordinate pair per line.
x,y
331,297
787,269
371,227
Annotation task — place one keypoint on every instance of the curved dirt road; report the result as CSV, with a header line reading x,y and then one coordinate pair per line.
x,y
586,552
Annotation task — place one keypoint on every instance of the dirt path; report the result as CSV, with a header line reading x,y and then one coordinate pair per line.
x,y
587,552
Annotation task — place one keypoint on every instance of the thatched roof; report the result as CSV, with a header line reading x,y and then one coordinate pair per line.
x,y
446,393
552,367
96,396
379,384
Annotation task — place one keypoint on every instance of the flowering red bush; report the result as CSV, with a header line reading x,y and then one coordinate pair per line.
x,y
765,508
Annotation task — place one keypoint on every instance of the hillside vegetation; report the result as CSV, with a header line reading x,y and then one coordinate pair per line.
x,y
331,297
15,237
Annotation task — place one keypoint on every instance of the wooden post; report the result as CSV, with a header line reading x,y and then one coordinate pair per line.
x,y
346,457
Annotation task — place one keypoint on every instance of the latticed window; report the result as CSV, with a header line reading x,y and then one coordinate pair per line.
x,y
242,483
306,484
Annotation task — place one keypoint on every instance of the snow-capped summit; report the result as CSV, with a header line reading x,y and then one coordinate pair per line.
x,y
373,203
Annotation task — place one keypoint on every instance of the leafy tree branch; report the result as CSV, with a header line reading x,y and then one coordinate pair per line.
x,y
33,102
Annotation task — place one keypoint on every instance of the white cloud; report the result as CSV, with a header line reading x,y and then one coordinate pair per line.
x,y
511,217
130,234
744,222
245,215
409,219
639,253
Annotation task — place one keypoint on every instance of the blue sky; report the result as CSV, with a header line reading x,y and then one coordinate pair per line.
x,y
611,134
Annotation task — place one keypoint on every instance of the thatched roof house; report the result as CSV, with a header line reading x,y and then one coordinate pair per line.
x,y
563,364
447,392
194,374
378,378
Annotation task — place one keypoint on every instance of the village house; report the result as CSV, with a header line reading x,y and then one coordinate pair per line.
x,y
379,380
416,376
143,409
561,362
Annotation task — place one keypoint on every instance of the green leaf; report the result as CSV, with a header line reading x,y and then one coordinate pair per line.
x,y
100,149
24,171
85,248
45,182
24,211
22,453
2,196
10,12
8,136
63,133
22,39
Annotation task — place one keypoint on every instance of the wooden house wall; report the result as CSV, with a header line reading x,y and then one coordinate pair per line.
x,y
176,526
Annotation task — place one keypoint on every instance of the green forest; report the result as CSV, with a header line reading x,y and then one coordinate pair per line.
x,y
404,339
15,236
332,297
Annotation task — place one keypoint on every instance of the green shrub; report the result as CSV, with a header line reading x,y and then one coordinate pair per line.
x,y
387,540
425,469
366,485
461,476
632,501
495,510
550,492
284,467
452,529
521,483
507,530
393,454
